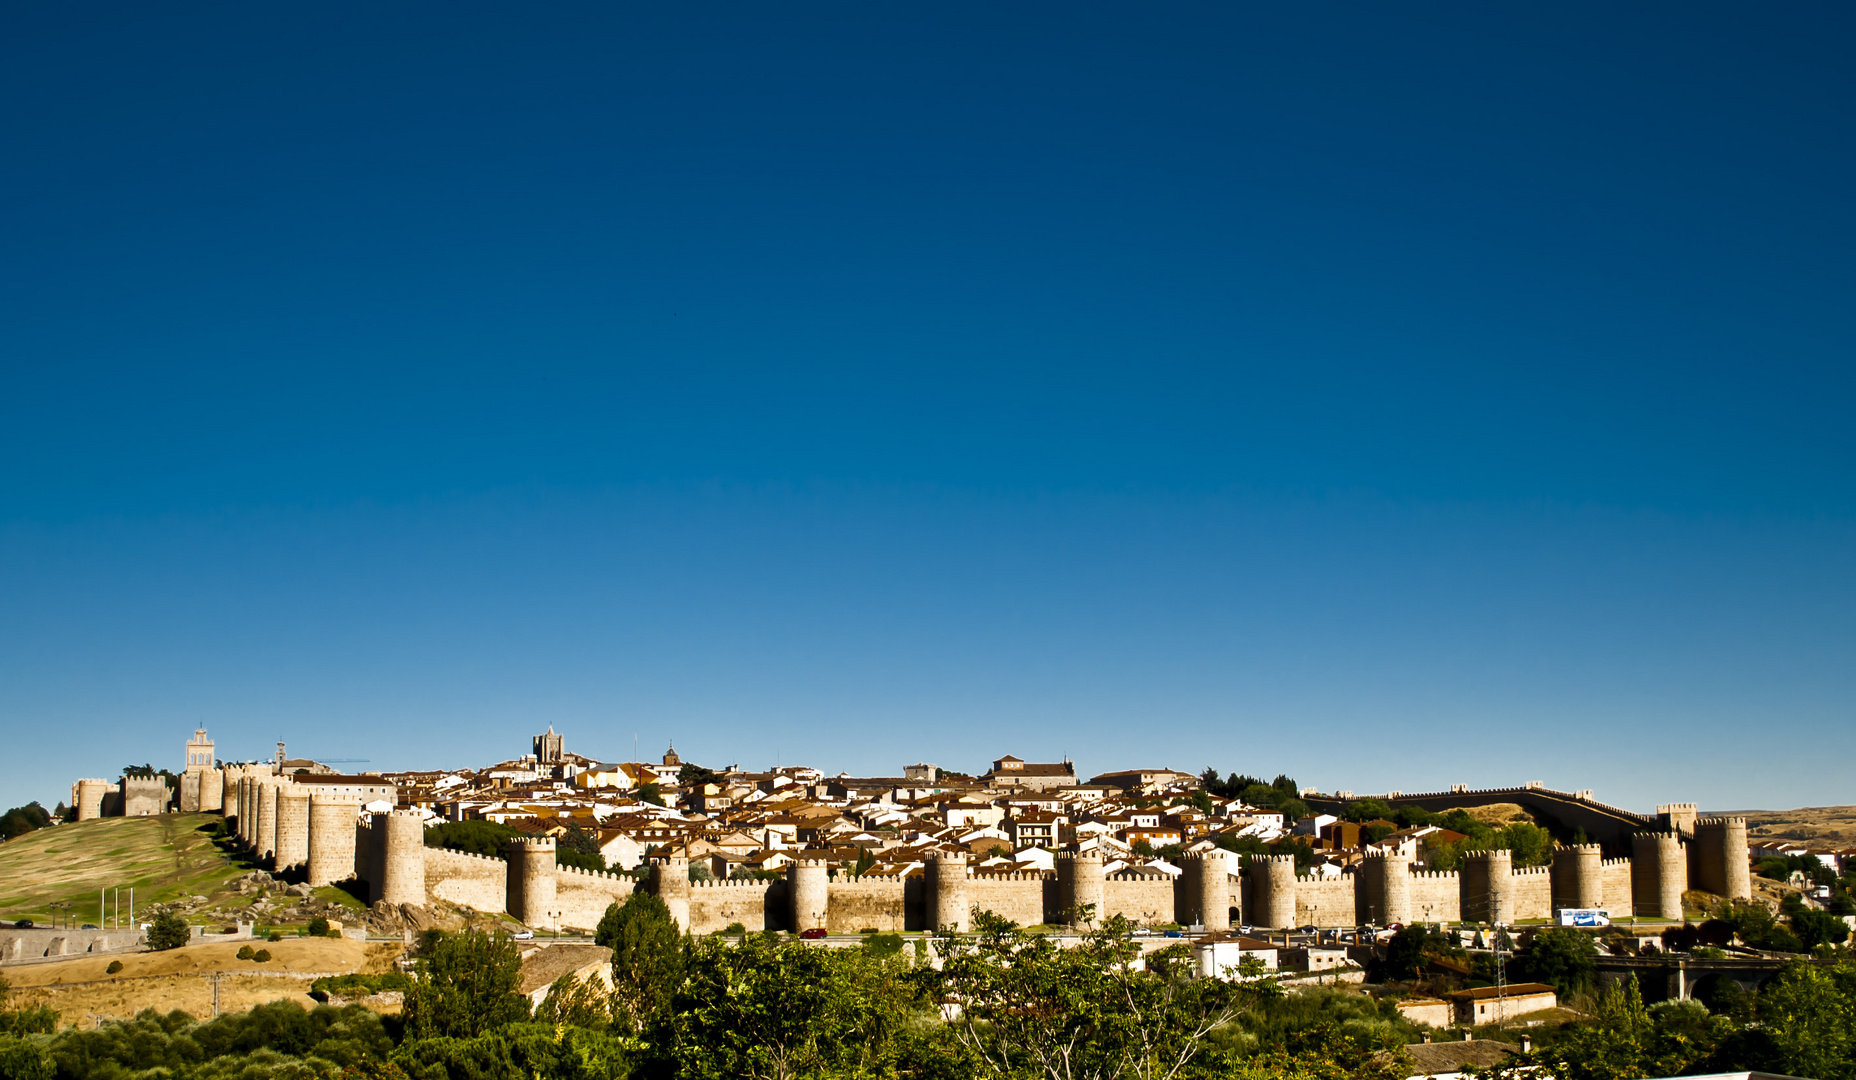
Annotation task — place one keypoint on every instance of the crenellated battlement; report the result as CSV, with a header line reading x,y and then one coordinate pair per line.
x,y
1012,875
734,883
600,875
454,853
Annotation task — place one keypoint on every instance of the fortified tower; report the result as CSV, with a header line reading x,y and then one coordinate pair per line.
x,y
808,885
89,799
246,828
1272,891
331,838
401,861
947,892
1579,877
199,780
1678,818
1080,885
267,819
1211,897
670,879
1721,858
530,883
1488,887
1386,887
292,827
1658,874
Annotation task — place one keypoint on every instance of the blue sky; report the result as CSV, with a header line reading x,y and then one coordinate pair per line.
x,y
1391,398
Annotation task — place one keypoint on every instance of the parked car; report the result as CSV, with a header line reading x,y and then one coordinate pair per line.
x,y
524,935
90,926
1170,933
813,934
24,924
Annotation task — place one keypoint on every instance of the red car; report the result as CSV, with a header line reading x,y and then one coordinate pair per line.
x,y
813,934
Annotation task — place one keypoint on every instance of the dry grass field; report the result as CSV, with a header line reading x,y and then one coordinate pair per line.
x,y
84,992
1819,826
164,858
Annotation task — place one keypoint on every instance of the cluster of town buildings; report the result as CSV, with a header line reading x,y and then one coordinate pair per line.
x,y
733,823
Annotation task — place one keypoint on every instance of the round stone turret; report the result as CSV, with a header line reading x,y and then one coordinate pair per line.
x,y
242,826
402,862
1722,860
1658,874
530,888
1386,887
332,825
670,880
90,798
1081,885
292,827
1487,887
947,892
1272,891
808,887
267,820
1211,883
1578,878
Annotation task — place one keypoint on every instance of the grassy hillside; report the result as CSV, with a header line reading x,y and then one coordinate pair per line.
x,y
165,858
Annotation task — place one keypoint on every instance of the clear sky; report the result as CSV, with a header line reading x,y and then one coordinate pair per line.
x,y
1389,395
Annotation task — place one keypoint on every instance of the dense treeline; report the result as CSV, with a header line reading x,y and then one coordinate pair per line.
x,y
21,820
1005,1005
577,847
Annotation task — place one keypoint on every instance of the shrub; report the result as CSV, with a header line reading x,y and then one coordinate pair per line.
x,y
245,952
318,927
275,935
115,966
262,956
168,931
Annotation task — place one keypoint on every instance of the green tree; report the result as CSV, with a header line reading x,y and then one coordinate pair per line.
x,y
1367,810
650,793
579,848
1560,955
168,930
576,1004
767,1008
466,986
487,838
1031,1008
1805,1025
648,957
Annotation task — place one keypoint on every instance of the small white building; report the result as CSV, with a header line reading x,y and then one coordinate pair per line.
x,y
1218,956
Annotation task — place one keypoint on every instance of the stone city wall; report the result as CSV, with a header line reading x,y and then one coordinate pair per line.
x,y
474,881
1326,901
582,896
1436,895
756,905
1140,897
1533,892
1617,886
1020,897
882,903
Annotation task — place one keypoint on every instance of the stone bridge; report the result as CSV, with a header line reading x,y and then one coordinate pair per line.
x,y
1561,811
1673,978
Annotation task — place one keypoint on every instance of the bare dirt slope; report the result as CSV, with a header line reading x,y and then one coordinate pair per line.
x,y
83,991
164,858
1817,826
